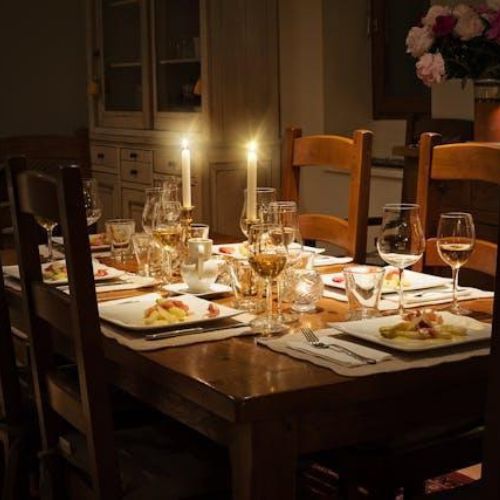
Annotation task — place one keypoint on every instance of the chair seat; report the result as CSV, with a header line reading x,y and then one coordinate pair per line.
x,y
167,461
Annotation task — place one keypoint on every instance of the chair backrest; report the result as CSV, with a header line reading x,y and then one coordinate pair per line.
x,y
50,313
353,156
457,162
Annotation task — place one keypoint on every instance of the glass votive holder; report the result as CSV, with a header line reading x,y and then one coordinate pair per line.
x,y
199,230
119,233
307,289
248,288
141,243
363,286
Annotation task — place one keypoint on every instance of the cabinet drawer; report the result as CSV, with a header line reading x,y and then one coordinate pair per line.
x,y
139,155
104,156
166,162
132,171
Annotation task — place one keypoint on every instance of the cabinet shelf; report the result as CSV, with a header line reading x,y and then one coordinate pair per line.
x,y
188,60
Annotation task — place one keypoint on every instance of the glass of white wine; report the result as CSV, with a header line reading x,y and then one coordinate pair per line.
x,y
456,236
167,231
265,195
401,242
268,256
49,226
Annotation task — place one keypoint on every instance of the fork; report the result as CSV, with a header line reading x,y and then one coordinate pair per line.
x,y
313,340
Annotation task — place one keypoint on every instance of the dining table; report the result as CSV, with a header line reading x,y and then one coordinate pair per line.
x,y
269,409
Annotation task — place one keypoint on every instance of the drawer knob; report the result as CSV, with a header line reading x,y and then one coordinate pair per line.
x,y
133,155
100,156
134,172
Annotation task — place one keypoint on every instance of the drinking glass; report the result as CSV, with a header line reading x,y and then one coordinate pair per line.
x,y
119,233
199,230
401,242
246,285
267,256
167,231
456,236
91,201
265,195
307,289
363,286
153,199
141,243
49,226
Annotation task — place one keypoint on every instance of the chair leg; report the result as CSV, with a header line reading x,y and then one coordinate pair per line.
x,y
16,485
51,474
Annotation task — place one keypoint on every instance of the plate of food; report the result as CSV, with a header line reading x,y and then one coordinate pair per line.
x,y
411,280
152,311
98,242
55,273
240,250
419,330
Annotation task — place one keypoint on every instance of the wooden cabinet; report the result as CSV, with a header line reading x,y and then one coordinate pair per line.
x,y
109,192
161,70
132,205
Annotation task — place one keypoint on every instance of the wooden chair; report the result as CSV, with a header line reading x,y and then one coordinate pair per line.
x,y
467,161
353,156
81,456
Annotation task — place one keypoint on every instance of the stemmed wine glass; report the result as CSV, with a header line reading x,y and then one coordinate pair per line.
x,y
167,231
456,236
92,201
265,195
49,226
401,242
154,197
267,258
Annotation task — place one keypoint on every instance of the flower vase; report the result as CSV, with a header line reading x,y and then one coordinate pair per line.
x,y
487,110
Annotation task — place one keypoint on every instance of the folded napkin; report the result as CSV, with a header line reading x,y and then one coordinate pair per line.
x,y
330,260
126,282
338,357
135,340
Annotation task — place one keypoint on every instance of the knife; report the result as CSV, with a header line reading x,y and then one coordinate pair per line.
x,y
190,331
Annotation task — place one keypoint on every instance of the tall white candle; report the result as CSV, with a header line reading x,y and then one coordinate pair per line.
x,y
186,173
252,181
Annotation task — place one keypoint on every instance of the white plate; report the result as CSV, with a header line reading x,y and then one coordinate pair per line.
x,y
182,288
111,272
415,281
368,329
95,248
237,250
129,313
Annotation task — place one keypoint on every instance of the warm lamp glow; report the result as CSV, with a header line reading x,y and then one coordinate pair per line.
x,y
185,143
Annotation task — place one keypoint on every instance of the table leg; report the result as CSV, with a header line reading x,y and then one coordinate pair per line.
x,y
264,460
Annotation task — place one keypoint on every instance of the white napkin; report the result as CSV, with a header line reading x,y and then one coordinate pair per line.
x,y
44,252
127,282
430,295
330,260
336,356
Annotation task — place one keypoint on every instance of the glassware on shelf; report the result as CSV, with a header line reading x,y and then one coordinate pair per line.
x,y
456,236
119,233
401,242
265,195
91,200
49,226
267,257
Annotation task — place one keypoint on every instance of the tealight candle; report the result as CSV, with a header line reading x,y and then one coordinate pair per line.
x,y
252,181
186,174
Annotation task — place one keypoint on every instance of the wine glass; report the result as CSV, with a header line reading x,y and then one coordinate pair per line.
x,y
284,213
49,226
267,258
401,242
91,201
456,236
265,195
167,231
154,197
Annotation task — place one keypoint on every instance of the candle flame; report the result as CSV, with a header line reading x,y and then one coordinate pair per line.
x,y
252,147
185,143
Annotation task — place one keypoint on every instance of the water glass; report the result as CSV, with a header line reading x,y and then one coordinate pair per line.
x,y
247,286
119,233
307,289
199,230
265,195
363,285
141,242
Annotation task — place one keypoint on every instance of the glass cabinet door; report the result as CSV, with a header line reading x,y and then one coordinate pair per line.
x,y
177,55
122,55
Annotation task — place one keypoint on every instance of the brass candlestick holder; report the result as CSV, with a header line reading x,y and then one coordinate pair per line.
x,y
249,223
186,220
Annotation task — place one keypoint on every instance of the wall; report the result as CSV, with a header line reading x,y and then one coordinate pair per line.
x,y
43,73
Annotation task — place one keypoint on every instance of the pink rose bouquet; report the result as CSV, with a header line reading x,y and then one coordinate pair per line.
x,y
457,42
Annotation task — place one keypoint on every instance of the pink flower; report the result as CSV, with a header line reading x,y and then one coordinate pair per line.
x,y
494,32
444,25
431,69
433,13
469,24
419,41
